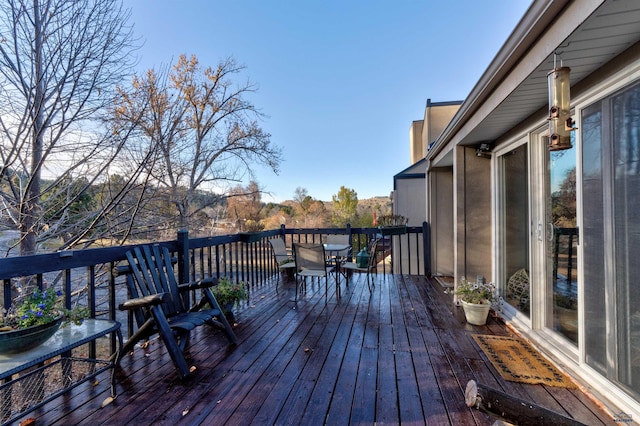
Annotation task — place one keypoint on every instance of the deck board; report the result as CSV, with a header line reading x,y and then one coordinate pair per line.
x,y
401,354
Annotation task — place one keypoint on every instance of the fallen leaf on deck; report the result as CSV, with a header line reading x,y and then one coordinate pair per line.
x,y
107,401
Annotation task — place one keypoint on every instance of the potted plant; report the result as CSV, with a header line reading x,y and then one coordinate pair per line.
x,y
476,299
392,224
33,320
251,231
228,293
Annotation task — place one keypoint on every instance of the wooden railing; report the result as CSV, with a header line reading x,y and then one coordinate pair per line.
x,y
87,276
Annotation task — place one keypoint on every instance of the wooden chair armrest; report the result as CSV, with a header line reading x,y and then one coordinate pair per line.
x,y
121,270
194,285
145,301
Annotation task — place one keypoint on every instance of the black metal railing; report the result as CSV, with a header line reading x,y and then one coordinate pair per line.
x,y
88,276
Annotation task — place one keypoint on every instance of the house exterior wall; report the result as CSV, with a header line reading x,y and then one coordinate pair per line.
x,y
409,201
408,198
416,146
422,132
436,117
441,213
473,214
472,231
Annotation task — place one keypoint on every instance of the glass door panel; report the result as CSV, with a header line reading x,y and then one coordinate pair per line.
x,y
593,239
562,241
625,117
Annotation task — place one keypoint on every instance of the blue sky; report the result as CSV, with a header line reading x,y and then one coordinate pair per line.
x,y
340,81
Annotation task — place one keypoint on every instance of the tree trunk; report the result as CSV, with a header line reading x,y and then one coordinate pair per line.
x,y
31,201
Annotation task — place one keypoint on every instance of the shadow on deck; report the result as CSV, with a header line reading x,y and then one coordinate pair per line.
x,y
400,355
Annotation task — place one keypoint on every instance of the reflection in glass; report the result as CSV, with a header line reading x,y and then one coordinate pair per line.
x,y
562,241
593,239
626,232
611,240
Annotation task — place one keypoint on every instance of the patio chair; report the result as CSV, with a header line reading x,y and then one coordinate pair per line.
x,y
283,258
334,257
339,239
371,264
310,260
160,304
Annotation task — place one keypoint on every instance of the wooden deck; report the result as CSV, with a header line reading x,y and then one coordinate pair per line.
x,y
400,355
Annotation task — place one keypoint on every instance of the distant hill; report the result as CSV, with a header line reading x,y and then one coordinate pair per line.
x,y
380,201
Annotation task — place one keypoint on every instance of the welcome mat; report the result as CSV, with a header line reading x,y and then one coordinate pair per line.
x,y
517,361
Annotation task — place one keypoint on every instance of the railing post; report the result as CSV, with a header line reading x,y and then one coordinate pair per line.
x,y
426,247
7,293
350,258
183,256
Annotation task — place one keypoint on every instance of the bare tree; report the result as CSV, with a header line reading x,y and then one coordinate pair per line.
x,y
244,207
201,129
59,62
309,212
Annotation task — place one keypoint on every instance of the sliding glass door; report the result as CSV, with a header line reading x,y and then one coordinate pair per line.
x,y
561,244
611,187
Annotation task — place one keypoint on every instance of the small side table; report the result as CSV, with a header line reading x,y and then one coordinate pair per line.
x,y
23,394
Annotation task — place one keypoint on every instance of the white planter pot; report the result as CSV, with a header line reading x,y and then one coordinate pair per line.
x,y
476,313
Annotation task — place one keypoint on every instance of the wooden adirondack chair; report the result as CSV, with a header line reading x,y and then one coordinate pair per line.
x,y
160,304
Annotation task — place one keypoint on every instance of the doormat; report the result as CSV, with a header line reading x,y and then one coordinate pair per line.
x,y
517,361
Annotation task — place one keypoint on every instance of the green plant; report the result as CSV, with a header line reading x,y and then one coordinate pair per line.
x,y
228,292
392,220
473,292
253,226
38,308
